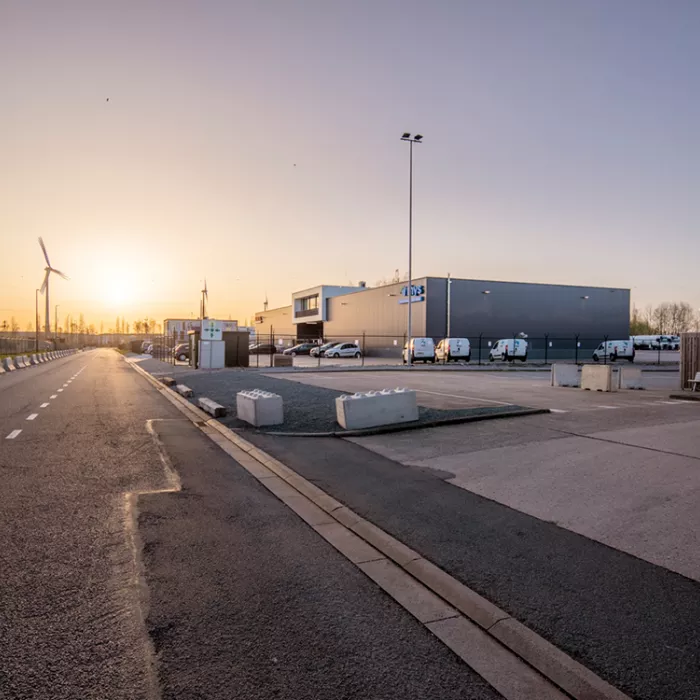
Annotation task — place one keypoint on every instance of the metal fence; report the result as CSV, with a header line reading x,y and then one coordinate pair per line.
x,y
23,344
542,350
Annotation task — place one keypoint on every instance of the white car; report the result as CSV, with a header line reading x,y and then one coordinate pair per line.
x,y
614,350
421,349
344,350
509,349
453,349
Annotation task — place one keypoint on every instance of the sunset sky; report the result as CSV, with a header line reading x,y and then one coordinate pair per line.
x,y
256,143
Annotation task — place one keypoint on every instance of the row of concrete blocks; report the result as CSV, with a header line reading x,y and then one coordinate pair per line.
x,y
10,364
361,410
597,377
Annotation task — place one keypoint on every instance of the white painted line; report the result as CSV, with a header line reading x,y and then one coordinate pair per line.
x,y
13,435
53,396
60,390
557,410
43,405
457,396
608,407
670,403
65,385
32,416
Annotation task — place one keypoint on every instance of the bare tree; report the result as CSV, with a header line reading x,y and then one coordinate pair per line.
x,y
14,326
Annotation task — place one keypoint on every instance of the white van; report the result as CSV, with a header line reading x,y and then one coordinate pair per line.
x,y
509,349
453,349
614,350
421,349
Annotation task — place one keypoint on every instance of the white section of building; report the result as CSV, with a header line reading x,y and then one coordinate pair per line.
x,y
309,305
180,326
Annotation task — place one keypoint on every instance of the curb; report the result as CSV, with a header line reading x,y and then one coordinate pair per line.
x,y
687,396
403,427
554,665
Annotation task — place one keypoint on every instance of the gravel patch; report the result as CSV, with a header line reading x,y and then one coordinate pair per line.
x,y
307,409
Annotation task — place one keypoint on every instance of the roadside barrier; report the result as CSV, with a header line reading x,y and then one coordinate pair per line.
x,y
184,390
259,407
282,361
373,408
630,378
19,362
596,378
565,375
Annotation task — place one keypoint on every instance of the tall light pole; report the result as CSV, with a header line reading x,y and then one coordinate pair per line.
x,y
55,321
36,319
411,140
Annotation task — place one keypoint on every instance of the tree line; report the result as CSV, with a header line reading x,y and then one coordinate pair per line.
x,y
668,318
78,326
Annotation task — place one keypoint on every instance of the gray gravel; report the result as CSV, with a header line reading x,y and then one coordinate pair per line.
x,y
307,409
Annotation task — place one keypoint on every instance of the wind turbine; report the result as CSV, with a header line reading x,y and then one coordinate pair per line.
x,y
45,287
205,298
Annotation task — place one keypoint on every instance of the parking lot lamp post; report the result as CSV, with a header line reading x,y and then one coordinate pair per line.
x,y
411,140
36,319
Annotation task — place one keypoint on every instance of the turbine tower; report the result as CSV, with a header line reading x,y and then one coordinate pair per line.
x,y
45,287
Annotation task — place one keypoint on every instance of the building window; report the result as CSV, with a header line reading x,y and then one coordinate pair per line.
x,y
307,303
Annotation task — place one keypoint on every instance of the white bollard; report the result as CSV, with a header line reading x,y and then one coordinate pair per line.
x,y
259,407
565,375
374,408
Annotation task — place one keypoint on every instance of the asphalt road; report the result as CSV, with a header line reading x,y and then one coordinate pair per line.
x,y
243,599
630,621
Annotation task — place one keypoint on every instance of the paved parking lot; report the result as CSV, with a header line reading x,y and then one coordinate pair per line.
x,y
469,389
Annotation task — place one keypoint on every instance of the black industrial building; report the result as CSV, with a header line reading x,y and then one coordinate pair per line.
x,y
554,314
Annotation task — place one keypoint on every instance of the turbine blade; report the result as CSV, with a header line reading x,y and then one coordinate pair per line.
x,y
46,282
60,274
43,247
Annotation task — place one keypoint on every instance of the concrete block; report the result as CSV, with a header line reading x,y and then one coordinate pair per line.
x,y
184,390
282,361
27,361
631,378
2,370
168,381
34,360
259,407
565,375
374,408
596,378
8,364
19,362
211,407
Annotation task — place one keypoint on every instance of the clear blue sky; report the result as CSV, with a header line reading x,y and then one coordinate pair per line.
x,y
257,144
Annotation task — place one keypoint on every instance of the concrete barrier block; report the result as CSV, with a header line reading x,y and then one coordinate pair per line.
x,y
565,375
34,360
168,381
184,390
211,407
373,408
259,407
282,361
596,378
27,361
2,369
19,362
631,378
8,364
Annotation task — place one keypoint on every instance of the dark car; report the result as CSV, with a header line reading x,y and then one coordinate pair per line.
x,y
182,352
159,351
320,350
262,349
301,349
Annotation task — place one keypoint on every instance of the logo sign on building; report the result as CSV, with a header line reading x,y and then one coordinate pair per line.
x,y
211,329
417,294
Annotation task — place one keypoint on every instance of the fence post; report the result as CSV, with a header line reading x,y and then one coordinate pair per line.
x,y
605,349
576,337
363,348
274,347
658,361
546,346
479,348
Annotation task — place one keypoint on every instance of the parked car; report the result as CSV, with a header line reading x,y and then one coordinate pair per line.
x,y
613,350
509,349
421,349
301,349
262,349
181,352
453,349
344,350
159,351
145,345
320,350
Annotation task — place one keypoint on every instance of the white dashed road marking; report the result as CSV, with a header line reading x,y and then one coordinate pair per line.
x,y
557,410
610,407
60,390
66,384
43,405
32,416
13,435
53,396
